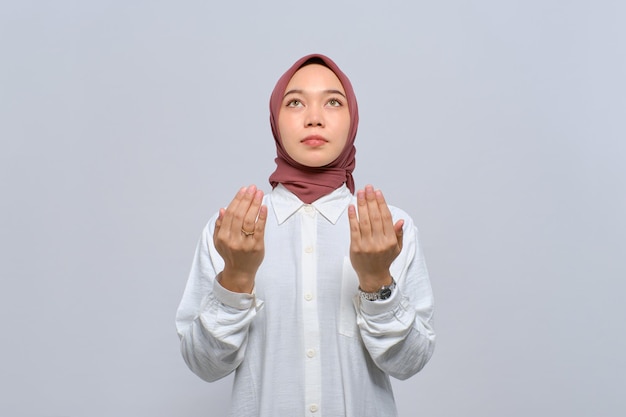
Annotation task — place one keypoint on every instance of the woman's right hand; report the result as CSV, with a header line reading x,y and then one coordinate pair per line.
x,y
238,238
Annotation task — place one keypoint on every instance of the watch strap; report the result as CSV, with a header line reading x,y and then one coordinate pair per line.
x,y
382,294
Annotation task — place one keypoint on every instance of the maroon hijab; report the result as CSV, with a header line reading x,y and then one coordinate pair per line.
x,y
311,183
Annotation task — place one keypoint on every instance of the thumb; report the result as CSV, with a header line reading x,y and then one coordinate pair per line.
x,y
220,217
397,228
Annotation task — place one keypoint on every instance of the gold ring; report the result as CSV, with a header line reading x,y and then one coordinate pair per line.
x,y
246,232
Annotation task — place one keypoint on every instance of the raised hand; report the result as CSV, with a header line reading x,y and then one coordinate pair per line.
x,y
375,241
238,238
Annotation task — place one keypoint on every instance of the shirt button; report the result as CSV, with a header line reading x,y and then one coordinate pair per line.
x,y
308,209
308,296
308,249
310,353
313,408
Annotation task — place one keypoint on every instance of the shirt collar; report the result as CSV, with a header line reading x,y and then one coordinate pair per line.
x,y
285,203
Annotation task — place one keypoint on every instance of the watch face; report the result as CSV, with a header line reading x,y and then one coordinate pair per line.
x,y
385,293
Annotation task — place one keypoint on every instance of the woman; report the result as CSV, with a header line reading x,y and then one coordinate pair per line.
x,y
312,295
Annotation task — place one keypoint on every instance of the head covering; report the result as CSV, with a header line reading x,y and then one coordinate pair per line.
x,y
311,183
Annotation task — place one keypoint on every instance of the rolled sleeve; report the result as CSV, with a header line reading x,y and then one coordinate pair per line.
x,y
239,301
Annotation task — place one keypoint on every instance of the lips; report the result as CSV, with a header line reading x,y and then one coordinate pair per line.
x,y
314,140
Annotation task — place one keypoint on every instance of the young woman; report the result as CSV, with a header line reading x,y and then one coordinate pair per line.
x,y
312,294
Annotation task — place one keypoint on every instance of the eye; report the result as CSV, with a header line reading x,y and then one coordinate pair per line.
x,y
294,103
333,102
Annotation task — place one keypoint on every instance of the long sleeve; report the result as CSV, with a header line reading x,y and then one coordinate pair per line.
x,y
303,343
212,322
398,332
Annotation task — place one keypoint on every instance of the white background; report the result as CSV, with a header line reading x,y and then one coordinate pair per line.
x,y
498,125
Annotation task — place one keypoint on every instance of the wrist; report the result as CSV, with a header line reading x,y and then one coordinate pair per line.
x,y
236,281
374,283
382,293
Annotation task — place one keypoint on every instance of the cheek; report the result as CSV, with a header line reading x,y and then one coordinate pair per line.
x,y
345,128
285,127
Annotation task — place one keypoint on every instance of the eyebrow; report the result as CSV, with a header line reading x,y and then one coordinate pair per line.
x,y
325,92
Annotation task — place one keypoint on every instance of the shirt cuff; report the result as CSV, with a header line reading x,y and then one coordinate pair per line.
x,y
378,307
238,300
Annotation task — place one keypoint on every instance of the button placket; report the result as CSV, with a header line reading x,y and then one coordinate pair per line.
x,y
312,365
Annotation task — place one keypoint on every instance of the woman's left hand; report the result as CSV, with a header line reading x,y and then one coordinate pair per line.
x,y
375,241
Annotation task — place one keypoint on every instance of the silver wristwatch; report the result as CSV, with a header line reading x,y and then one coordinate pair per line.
x,y
382,294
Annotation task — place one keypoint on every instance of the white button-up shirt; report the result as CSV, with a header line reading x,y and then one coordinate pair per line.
x,y
304,343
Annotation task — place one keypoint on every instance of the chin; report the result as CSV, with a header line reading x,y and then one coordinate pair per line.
x,y
316,161
314,164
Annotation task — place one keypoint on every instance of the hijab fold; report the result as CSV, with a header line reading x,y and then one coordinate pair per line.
x,y
311,183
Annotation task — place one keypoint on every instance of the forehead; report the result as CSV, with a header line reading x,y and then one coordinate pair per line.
x,y
315,77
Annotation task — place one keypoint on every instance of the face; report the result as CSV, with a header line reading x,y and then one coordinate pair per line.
x,y
314,120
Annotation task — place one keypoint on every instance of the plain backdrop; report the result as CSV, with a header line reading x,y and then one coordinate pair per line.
x,y
499,126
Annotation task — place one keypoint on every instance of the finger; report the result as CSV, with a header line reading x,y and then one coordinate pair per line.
x,y
259,227
220,218
374,211
365,227
399,231
230,211
218,223
240,210
385,213
355,231
248,208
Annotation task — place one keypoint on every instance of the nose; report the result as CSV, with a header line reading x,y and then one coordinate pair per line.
x,y
314,117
